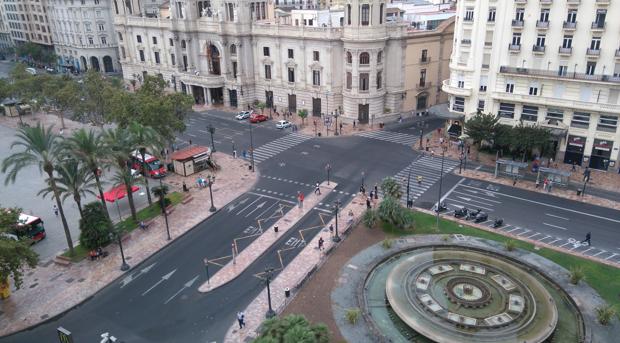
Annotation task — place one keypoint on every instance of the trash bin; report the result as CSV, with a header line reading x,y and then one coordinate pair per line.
x,y
250,167
287,292
579,192
275,229
319,134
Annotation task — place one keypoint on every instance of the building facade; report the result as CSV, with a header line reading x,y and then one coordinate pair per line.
x,y
551,63
5,34
27,21
224,53
83,34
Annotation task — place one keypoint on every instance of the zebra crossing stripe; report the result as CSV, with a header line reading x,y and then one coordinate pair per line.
x,y
279,145
389,136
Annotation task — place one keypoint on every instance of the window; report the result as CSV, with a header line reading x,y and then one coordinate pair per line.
x,y
530,113
567,42
510,87
422,77
268,71
483,83
422,101
595,44
141,55
363,82
349,58
185,63
562,70
571,17
154,40
590,68
607,123
544,15
349,80
315,56
580,120
101,27
233,49
291,74
91,40
348,14
424,57
555,114
104,41
533,90
469,14
481,104
172,59
540,41
379,80
459,104
600,18
460,84
291,54
519,14
506,110
120,37
139,39
96,2
183,44
380,57
364,58
365,15
516,38
381,14
316,78
171,41
234,69
156,54
491,17
265,51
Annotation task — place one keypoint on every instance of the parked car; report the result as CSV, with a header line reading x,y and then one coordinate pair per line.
x,y
50,70
243,115
257,118
31,71
283,124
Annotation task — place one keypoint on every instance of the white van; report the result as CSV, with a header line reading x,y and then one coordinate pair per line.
x,y
31,71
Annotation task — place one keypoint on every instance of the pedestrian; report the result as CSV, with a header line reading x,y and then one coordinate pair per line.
x,y
317,189
331,229
372,194
55,209
354,124
300,198
235,153
514,181
241,319
340,127
400,119
190,142
419,180
376,190
549,186
362,190
321,241
537,183
368,203
588,237
62,131
185,189
244,153
428,141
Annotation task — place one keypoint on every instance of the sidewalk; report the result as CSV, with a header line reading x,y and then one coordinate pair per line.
x,y
51,289
243,260
294,275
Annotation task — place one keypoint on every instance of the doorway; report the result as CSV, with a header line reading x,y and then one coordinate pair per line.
x,y
316,107
269,99
574,150
217,95
362,116
292,103
232,94
198,94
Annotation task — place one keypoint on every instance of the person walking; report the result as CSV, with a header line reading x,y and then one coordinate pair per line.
x,y
55,209
244,153
588,237
362,190
371,195
235,153
354,124
300,199
321,241
419,180
376,191
368,206
317,189
241,319
331,229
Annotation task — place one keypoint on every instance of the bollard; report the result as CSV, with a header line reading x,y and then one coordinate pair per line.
x,y
287,292
275,229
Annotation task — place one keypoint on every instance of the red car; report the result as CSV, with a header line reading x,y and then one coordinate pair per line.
x,y
257,118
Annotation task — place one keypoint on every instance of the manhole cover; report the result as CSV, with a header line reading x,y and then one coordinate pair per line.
x,y
45,316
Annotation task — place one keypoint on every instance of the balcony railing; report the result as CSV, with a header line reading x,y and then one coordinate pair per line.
x,y
569,25
546,2
542,24
603,2
466,41
538,48
517,23
521,2
618,53
514,47
565,51
425,60
424,85
573,2
593,52
554,74
597,25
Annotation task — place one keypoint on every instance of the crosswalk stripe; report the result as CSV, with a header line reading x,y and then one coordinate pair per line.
x,y
389,136
279,145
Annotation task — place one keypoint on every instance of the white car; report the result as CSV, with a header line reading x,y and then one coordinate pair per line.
x,y
283,124
243,115
31,71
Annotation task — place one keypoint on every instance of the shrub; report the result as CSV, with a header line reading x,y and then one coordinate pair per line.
x,y
605,314
387,243
95,226
352,315
445,238
576,274
390,211
391,188
370,218
510,245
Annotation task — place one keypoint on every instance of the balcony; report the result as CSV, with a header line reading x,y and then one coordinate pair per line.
x,y
517,23
556,102
424,60
573,2
598,26
546,2
565,51
466,41
538,49
593,52
554,75
569,25
520,2
423,85
514,47
542,24
446,87
603,2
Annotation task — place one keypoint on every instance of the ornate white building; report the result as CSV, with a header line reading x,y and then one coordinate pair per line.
x,y
236,52
552,63
83,34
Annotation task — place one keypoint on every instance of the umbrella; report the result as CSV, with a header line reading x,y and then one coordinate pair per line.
x,y
117,193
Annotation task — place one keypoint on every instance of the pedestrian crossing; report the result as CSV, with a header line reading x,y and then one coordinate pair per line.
x,y
389,136
279,145
429,168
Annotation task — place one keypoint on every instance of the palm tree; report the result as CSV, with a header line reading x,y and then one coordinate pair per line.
x,y
118,150
122,177
73,180
42,148
89,148
160,192
145,138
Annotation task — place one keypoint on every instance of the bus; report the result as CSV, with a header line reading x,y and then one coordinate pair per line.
x,y
154,167
30,227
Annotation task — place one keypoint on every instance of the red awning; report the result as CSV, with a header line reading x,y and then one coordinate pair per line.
x,y
117,193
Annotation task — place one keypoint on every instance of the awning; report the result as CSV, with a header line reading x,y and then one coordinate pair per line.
x,y
117,193
455,130
442,111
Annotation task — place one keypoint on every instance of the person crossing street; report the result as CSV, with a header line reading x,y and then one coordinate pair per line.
x,y
317,189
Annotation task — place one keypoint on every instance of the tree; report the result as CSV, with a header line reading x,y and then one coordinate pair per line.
x,y
391,211
303,114
145,139
481,127
391,188
292,329
27,88
14,255
119,148
42,148
35,52
90,149
73,180
63,94
160,192
261,105
95,226
97,98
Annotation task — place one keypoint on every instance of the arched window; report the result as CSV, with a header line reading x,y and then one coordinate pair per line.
x,y
380,57
365,14
349,80
349,58
348,14
183,45
379,80
381,14
233,49
364,58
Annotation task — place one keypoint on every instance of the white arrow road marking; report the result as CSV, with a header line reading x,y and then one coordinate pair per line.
x,y
134,276
257,199
259,206
163,278
188,284
233,206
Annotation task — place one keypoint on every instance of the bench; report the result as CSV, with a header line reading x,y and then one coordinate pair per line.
x,y
188,198
62,261
169,209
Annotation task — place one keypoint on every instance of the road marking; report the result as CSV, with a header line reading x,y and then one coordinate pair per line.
x,y
450,191
567,243
188,284
257,199
555,226
612,255
474,200
466,203
600,252
553,206
585,251
555,240
554,216
534,235
524,232
542,239
275,198
516,228
261,214
163,278
475,196
134,276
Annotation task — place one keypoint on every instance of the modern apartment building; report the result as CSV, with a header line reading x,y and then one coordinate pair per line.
x,y
5,34
27,21
555,63
83,34
229,52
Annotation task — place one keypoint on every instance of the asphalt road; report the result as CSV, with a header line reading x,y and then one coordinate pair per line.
x,y
158,301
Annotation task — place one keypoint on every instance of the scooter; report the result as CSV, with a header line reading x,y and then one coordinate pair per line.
x,y
498,222
472,214
461,212
481,217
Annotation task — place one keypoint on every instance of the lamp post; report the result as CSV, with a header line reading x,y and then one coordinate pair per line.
x,y
206,261
363,174
328,168
268,274
336,237
251,145
408,186
211,180
124,265
163,207
336,125
421,125
211,129
443,154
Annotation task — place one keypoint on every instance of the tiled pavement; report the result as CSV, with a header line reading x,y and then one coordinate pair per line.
x,y
51,289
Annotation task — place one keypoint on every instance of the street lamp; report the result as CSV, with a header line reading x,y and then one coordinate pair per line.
x,y
211,131
117,232
443,154
268,275
363,174
336,237
408,186
206,261
251,145
421,126
163,207
336,126
211,180
328,168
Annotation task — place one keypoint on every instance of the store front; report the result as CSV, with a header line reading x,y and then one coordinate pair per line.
x,y
601,154
574,150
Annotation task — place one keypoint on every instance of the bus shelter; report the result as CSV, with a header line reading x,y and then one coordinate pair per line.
x,y
557,176
510,168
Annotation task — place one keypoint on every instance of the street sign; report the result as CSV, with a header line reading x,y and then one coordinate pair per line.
x,y
64,335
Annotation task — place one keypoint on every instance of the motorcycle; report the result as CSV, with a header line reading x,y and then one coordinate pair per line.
x,y
461,212
472,214
498,222
481,217
441,207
